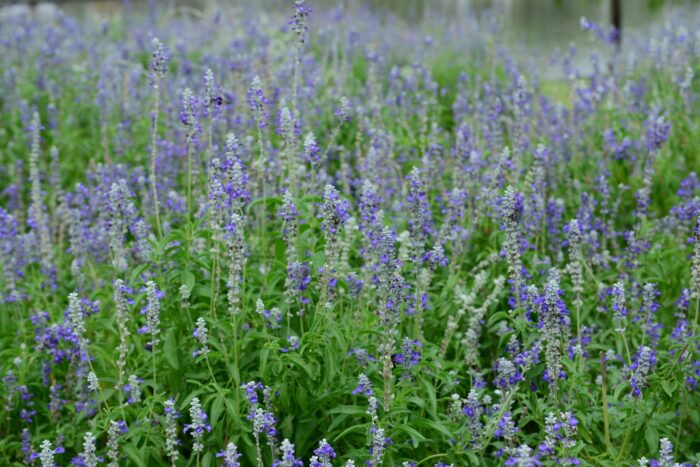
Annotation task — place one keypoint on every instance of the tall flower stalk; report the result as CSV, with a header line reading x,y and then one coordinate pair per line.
x,y
511,210
213,103
258,103
554,328
160,59
171,440
188,118
576,271
38,220
695,269
235,250
122,318
335,214
300,29
152,312
420,229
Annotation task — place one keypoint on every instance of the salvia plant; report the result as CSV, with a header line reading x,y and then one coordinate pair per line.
x,y
316,237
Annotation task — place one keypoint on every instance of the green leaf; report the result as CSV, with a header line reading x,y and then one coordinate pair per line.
x,y
201,291
217,409
170,351
417,401
330,366
362,427
187,279
415,436
298,361
264,355
436,426
133,453
337,421
349,409
269,200
207,460
652,437
496,317
432,398
233,414
585,434
137,271
233,370
667,387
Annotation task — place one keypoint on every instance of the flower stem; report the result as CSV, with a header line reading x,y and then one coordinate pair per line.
x,y
603,389
154,151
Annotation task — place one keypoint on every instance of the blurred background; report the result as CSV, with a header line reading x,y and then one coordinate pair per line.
x,y
535,23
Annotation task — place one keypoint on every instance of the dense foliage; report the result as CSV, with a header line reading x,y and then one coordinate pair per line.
x,y
338,240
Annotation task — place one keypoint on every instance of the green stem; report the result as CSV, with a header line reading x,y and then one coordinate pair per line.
x,y
189,200
263,164
214,282
606,425
155,383
211,373
579,348
628,432
154,152
331,140
627,348
295,83
504,407
235,345
434,456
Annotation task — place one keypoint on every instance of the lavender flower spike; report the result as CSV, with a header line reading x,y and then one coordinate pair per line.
x,y
201,334
171,440
288,457
322,455
152,312
158,67
511,209
37,214
230,456
198,426
46,456
89,456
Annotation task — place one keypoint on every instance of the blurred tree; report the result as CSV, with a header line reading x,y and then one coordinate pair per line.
x,y
616,15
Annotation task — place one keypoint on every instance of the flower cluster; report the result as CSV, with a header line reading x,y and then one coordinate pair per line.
x,y
199,425
302,226
160,59
642,363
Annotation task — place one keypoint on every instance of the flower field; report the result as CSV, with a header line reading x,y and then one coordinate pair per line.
x,y
329,238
